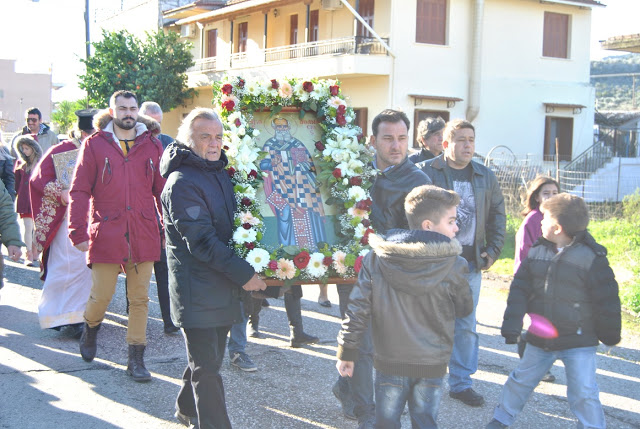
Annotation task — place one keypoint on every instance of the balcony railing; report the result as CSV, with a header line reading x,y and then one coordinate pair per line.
x,y
343,46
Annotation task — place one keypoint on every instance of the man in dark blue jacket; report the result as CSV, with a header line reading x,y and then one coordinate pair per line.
x,y
205,274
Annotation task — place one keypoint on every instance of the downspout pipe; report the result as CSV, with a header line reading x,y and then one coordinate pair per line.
x,y
475,66
364,23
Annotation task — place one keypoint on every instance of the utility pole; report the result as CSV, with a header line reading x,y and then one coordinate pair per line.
x,y
86,30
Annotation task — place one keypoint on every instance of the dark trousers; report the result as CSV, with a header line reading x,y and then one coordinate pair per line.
x,y
162,281
202,391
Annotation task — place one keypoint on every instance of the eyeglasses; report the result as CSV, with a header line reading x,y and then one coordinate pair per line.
x,y
32,119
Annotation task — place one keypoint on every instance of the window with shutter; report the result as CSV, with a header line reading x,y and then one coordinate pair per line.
x,y
431,22
556,35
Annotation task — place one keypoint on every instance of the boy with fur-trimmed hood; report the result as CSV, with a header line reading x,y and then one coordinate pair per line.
x,y
412,286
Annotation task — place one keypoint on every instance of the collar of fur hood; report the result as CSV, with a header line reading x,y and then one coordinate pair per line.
x,y
414,243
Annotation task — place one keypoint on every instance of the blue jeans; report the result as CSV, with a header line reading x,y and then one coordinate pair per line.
x,y
361,383
582,389
464,357
393,392
238,334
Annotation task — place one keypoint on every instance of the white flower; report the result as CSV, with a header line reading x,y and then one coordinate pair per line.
x,y
256,133
336,102
258,259
316,267
359,231
241,130
357,193
345,181
248,192
244,235
356,212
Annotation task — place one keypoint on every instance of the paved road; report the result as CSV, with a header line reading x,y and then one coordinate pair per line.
x,y
45,384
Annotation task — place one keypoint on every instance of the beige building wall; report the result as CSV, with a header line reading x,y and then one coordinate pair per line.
x,y
20,91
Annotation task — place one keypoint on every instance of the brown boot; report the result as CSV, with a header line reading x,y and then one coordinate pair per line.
x,y
88,345
136,368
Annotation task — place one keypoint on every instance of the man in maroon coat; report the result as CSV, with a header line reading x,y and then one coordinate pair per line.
x,y
114,198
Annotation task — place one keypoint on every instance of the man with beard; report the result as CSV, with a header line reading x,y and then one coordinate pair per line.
x,y
114,201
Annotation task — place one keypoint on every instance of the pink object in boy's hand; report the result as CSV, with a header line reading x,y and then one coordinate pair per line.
x,y
542,327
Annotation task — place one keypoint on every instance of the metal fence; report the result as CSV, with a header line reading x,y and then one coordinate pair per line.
x,y
603,189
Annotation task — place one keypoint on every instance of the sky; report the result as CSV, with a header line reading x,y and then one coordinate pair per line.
x,y
51,36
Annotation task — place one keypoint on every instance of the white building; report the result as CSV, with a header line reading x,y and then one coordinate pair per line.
x,y
518,69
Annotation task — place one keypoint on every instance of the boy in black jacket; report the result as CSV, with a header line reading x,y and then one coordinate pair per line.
x,y
569,290
412,286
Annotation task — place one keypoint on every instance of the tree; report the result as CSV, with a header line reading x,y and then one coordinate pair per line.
x,y
153,69
64,114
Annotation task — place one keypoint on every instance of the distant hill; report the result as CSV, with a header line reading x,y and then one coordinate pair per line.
x,y
616,93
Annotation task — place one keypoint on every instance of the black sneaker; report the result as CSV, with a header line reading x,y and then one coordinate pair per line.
x,y
171,330
346,401
548,377
244,362
300,340
469,397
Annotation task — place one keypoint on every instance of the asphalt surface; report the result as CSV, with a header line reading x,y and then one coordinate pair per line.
x,y
44,383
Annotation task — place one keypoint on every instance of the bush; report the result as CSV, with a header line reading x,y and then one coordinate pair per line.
x,y
631,207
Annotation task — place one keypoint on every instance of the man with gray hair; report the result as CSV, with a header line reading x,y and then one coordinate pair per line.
x,y
205,274
153,110
430,139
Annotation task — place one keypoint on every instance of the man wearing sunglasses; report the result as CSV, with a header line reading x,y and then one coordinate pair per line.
x,y
46,138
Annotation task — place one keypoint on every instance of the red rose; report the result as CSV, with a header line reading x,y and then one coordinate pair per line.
x,y
225,147
340,119
274,84
307,86
356,181
246,225
358,264
334,89
337,173
229,105
366,223
253,174
245,201
273,265
319,146
364,240
241,83
250,246
238,122
227,89
231,171
301,260
364,204
327,261
342,109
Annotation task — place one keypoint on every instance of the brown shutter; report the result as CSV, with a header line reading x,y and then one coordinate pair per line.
x,y
313,25
431,21
556,35
293,29
212,43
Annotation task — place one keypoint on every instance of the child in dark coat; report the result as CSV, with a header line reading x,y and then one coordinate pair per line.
x,y
568,289
412,286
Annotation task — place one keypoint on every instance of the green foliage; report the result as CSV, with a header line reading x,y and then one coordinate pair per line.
x,y
631,207
621,237
615,93
154,68
65,114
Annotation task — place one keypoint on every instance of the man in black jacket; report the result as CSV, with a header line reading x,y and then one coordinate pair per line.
x,y
482,223
205,274
396,178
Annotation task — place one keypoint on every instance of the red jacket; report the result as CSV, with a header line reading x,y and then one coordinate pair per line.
x,y
112,199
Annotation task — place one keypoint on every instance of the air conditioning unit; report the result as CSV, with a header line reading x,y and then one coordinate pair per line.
x,y
331,4
187,31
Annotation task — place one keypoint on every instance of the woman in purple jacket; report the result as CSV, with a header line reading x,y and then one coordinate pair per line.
x,y
539,189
